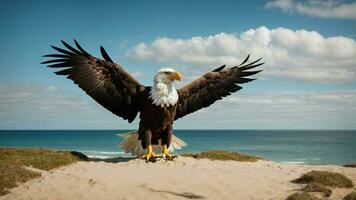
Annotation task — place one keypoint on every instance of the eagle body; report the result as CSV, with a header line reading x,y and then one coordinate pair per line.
x,y
155,120
159,105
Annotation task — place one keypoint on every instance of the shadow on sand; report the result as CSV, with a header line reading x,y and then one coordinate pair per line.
x,y
112,160
187,195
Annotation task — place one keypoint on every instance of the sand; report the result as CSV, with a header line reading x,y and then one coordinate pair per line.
x,y
185,178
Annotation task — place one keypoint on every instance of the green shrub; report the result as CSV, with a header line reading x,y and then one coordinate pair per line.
x,y
11,174
351,196
223,155
325,178
353,165
13,162
301,196
317,187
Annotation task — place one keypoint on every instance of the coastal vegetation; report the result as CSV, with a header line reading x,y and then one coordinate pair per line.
x,y
353,165
223,155
301,196
16,164
351,196
325,178
320,182
317,187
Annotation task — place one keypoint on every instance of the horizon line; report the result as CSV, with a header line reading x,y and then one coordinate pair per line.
x,y
180,129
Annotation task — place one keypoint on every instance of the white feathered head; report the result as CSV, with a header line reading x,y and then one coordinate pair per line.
x,y
167,75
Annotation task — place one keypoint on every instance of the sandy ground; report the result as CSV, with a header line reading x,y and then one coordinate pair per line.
x,y
185,178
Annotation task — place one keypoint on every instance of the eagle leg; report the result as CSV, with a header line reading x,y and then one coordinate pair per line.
x,y
166,155
150,156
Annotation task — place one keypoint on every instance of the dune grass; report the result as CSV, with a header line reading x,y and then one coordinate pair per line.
x,y
319,182
317,187
301,196
352,165
325,178
13,162
223,155
11,174
351,196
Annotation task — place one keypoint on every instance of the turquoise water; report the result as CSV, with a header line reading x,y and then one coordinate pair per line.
x,y
299,146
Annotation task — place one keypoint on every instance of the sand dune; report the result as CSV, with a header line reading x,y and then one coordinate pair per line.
x,y
185,178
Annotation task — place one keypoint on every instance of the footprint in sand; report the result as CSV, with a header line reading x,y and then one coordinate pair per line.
x,y
92,182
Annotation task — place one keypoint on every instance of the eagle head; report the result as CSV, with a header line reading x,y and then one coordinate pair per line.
x,y
163,92
167,76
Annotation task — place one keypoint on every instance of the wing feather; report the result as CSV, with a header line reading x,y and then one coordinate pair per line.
x,y
57,55
105,81
213,86
105,55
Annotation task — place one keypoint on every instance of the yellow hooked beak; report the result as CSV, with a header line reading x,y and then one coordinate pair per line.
x,y
176,76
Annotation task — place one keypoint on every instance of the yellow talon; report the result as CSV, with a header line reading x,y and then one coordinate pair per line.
x,y
150,154
165,153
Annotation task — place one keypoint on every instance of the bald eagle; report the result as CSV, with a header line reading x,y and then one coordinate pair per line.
x,y
159,105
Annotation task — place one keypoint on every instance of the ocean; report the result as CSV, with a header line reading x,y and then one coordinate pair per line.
x,y
285,146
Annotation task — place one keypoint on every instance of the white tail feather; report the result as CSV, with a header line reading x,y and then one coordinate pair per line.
x,y
132,145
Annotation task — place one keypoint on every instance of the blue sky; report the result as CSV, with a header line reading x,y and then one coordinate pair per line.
x,y
308,80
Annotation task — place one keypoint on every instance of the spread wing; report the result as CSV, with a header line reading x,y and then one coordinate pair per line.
x,y
105,81
213,86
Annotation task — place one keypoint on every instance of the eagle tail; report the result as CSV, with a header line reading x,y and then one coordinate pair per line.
x,y
131,144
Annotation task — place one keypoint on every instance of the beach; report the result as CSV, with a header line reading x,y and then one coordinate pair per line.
x,y
184,178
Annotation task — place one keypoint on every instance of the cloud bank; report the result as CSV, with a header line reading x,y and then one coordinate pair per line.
x,y
323,9
39,106
279,110
292,54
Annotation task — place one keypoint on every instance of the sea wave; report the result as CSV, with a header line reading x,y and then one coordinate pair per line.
x,y
104,152
96,156
292,162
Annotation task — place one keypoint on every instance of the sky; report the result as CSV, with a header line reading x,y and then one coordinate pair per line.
x,y
309,49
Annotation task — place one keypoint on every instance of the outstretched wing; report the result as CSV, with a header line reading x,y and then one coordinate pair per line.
x,y
105,81
213,86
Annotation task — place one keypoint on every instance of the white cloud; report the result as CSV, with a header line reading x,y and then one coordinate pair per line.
x,y
279,110
300,54
317,8
137,74
38,106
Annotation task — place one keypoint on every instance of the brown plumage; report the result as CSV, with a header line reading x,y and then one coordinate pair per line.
x,y
115,89
213,86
